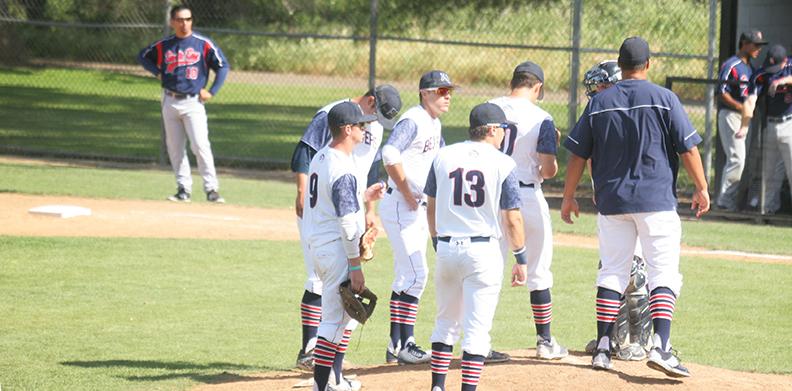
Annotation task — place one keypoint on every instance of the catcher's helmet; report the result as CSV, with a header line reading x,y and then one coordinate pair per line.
x,y
604,72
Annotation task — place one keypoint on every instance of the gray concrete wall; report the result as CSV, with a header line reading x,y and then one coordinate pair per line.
x,y
772,17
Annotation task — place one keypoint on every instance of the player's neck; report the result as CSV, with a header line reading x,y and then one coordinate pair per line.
x,y
634,75
524,93
432,113
744,57
346,145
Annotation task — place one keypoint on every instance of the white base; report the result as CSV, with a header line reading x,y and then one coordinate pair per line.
x,y
62,211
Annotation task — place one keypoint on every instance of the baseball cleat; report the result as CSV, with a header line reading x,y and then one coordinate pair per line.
x,y
305,360
392,353
631,352
667,363
549,349
601,360
181,195
413,354
214,196
495,357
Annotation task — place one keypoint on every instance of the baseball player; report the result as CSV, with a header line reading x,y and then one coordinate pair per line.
x,y
333,224
631,336
182,63
468,186
774,80
532,143
407,155
636,195
735,73
384,101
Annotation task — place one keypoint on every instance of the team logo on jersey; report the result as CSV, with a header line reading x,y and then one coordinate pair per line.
x,y
430,144
183,58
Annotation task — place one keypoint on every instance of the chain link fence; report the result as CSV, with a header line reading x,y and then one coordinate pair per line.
x,y
71,86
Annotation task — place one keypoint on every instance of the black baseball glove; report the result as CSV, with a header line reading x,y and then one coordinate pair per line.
x,y
355,303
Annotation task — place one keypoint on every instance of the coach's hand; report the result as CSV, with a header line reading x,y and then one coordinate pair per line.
x,y
569,206
519,274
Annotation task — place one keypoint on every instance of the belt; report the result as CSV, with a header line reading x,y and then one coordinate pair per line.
x,y
472,238
779,119
531,185
390,191
179,95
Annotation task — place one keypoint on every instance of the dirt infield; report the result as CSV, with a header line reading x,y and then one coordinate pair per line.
x,y
524,372
163,219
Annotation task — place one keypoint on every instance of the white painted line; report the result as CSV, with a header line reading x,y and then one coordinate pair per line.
x,y
62,211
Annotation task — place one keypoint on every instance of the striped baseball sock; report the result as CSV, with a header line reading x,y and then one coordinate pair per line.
x,y
441,360
396,320
608,303
324,354
661,305
311,314
542,306
472,365
338,362
409,312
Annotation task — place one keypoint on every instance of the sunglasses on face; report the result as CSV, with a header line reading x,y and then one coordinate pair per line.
x,y
443,91
363,125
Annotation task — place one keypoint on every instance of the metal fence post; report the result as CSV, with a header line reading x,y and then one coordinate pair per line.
x,y
163,150
373,46
710,91
574,66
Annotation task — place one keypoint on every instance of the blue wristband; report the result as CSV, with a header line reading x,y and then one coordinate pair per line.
x,y
520,257
353,268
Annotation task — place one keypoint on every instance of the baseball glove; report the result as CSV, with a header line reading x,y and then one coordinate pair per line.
x,y
367,241
354,303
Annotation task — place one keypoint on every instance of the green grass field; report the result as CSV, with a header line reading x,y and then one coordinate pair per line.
x,y
148,314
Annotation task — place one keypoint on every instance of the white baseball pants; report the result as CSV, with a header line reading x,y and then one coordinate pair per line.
x,y
332,267
734,148
408,232
312,282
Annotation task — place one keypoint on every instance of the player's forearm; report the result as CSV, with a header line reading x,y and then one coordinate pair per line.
x,y
549,166
748,109
730,102
220,76
692,162
396,174
148,64
513,225
575,167
302,182
430,216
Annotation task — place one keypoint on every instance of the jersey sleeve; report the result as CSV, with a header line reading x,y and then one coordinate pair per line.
x,y
723,76
510,192
301,158
150,58
684,136
344,195
430,189
580,140
756,86
548,141
216,60
403,134
317,134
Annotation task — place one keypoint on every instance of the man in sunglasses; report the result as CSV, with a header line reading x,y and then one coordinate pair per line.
x,y
407,155
533,143
182,63
383,101
468,187
334,223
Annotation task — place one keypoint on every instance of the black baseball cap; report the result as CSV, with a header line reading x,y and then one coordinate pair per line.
x,y
347,113
534,69
753,36
388,100
435,79
488,113
634,51
775,59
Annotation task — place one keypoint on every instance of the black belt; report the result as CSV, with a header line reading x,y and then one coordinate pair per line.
x,y
472,238
531,185
779,119
179,95
390,191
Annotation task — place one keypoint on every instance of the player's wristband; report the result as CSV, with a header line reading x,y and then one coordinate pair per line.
x,y
353,268
520,256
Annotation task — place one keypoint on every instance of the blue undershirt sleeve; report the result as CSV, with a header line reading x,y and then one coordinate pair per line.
x,y
510,192
403,134
547,142
344,195
430,188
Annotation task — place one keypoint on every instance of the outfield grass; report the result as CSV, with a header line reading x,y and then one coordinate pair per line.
x,y
148,314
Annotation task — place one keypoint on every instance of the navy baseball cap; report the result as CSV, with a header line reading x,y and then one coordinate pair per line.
x,y
775,59
435,79
347,113
388,100
634,51
753,36
488,113
534,69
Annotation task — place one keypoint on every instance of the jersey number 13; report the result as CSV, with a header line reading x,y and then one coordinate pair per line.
x,y
474,198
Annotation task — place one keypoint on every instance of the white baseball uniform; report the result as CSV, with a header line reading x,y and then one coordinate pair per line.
x,y
534,133
333,195
363,155
415,140
471,181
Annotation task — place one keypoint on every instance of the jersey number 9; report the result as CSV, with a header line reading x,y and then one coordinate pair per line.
x,y
313,182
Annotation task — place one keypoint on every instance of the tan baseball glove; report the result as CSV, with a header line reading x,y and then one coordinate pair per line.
x,y
367,241
355,304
